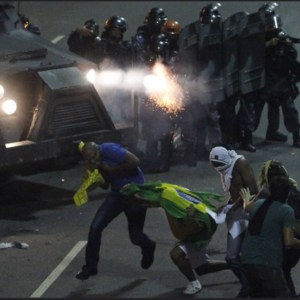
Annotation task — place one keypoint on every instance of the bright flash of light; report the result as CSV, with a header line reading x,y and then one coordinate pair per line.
x,y
110,78
91,76
163,89
1,91
154,84
9,107
134,80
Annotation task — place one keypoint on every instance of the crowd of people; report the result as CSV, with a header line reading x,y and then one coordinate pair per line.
x,y
266,247
261,252
213,114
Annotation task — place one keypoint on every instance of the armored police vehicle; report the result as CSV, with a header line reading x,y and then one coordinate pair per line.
x,y
47,103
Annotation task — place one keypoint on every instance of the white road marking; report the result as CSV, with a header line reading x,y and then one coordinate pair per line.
x,y
58,38
59,269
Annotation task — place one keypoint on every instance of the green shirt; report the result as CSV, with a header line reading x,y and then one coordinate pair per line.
x,y
266,249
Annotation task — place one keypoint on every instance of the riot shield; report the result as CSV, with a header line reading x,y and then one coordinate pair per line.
x,y
210,63
188,36
231,53
252,52
188,49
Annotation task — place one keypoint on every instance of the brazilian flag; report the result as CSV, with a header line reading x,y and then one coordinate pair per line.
x,y
175,199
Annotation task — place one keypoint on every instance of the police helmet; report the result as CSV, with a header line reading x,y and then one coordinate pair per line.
x,y
156,16
209,14
171,27
93,26
159,43
272,20
171,30
116,21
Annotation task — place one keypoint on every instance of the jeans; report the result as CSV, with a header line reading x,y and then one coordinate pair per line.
x,y
290,260
233,258
266,282
112,206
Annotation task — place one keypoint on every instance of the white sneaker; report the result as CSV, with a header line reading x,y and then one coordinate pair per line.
x,y
193,288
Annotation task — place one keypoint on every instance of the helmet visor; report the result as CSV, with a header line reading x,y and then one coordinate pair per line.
x,y
273,22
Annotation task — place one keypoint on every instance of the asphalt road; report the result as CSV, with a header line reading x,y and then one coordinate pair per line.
x,y
39,209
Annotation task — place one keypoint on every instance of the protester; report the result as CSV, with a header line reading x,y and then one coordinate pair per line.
x,y
189,223
291,257
118,167
236,173
271,225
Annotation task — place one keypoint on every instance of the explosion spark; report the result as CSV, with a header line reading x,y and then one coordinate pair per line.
x,y
163,89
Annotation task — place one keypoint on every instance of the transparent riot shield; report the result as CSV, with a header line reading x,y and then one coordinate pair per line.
x,y
252,52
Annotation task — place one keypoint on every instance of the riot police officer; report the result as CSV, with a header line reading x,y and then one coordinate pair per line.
x,y
171,30
115,53
112,48
84,39
157,125
111,52
149,45
238,127
280,88
208,125
153,24
200,120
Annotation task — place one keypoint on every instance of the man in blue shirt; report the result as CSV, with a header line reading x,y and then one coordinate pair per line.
x,y
118,167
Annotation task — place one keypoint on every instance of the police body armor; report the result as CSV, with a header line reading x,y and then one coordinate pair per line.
x,y
252,52
281,62
119,55
141,41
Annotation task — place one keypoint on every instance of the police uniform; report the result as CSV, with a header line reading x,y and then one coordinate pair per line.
x,y
84,46
156,124
280,88
199,121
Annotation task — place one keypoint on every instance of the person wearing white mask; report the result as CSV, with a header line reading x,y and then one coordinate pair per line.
x,y
236,173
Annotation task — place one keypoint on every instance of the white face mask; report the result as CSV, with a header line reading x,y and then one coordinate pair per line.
x,y
221,169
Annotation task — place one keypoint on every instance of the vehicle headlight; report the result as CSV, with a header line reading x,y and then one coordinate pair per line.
x,y
1,91
91,76
9,106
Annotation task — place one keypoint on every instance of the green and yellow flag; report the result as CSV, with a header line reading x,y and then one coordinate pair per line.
x,y
175,199
91,180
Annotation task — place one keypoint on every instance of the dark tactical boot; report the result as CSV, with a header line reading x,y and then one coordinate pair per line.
x,y
296,139
86,273
276,136
246,143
